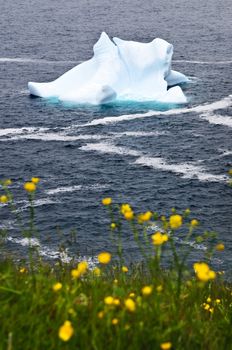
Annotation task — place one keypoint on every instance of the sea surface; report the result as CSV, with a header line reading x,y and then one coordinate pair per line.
x,y
153,156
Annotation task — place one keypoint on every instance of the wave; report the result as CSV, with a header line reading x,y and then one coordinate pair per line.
x,y
45,61
203,62
34,60
217,119
56,254
204,108
42,249
139,133
49,136
186,170
23,130
74,188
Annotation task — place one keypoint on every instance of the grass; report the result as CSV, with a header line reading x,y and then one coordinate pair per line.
x,y
115,306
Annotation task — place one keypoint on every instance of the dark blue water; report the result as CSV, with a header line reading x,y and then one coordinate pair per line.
x,y
155,162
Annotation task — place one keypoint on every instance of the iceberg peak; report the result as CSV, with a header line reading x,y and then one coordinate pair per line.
x,y
119,70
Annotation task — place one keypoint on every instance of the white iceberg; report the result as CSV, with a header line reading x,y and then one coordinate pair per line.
x,y
119,70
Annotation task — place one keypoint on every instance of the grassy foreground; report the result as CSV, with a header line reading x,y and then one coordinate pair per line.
x,y
115,306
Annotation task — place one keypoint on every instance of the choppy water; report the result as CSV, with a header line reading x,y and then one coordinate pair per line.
x,y
155,157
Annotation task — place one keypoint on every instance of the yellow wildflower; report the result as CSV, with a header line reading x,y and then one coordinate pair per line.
x,y
159,288
116,302
208,300
124,269
206,306
29,186
7,182
115,281
147,290
203,272
125,207
57,286
75,273
107,201
130,305
158,238
128,215
97,271
66,331
175,221
220,247
187,211
166,345
100,314
3,199
113,226
109,300
211,310
194,223
22,270
230,172
35,180
82,267
115,321
104,257
143,217
132,295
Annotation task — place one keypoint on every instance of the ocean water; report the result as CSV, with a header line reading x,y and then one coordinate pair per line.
x,y
152,156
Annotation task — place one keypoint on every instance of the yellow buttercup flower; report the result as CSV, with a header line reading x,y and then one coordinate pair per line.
x,y
57,286
104,258
203,272
7,182
29,186
35,180
159,288
109,300
175,221
217,301
107,201
82,267
128,215
194,223
132,295
124,269
125,207
66,331
147,290
116,302
187,211
100,314
158,238
113,225
22,270
166,345
130,305
75,273
4,199
144,217
115,321
220,247
97,271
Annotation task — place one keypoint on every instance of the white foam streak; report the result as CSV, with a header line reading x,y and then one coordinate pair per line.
x,y
217,119
139,133
74,188
19,131
42,250
33,60
203,62
105,148
210,107
186,170
49,136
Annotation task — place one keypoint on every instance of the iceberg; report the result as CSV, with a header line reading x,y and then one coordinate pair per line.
x,y
119,70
